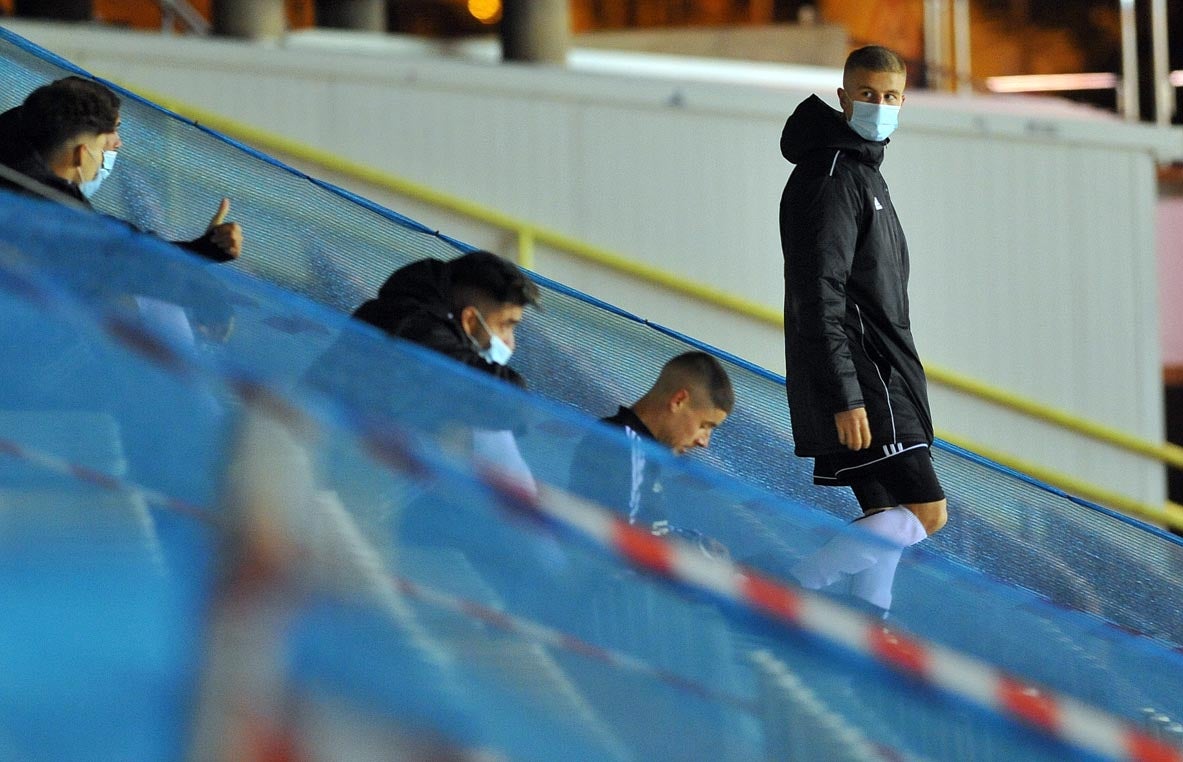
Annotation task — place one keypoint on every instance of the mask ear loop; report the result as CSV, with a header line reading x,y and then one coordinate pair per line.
x,y
91,155
484,325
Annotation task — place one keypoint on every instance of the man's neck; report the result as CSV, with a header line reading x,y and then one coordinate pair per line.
x,y
649,413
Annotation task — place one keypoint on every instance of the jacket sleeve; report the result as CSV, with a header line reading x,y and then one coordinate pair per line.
x,y
204,247
820,222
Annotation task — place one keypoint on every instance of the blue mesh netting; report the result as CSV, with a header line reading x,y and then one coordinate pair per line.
x,y
106,371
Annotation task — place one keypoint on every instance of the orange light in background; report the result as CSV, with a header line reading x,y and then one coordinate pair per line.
x,y
485,11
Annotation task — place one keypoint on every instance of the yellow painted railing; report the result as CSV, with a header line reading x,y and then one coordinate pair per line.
x,y
529,236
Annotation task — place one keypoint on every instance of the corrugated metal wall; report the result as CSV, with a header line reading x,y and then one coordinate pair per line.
x,y
1032,236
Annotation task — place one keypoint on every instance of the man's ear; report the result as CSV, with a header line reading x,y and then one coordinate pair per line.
x,y
679,398
468,320
843,100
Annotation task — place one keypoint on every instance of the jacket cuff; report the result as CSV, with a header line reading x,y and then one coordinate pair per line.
x,y
204,247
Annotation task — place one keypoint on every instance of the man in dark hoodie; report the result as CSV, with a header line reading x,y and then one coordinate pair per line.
x,y
467,309
65,136
857,392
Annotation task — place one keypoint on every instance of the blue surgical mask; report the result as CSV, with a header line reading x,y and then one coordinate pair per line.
x,y
498,352
874,121
91,187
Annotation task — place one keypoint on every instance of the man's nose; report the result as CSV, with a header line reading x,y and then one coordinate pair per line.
x,y
115,143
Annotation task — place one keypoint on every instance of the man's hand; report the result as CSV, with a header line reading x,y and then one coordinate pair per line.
x,y
854,430
227,236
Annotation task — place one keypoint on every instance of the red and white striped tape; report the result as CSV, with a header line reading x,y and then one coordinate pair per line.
x,y
86,474
975,681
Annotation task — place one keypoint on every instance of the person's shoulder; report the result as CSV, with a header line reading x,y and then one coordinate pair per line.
x,y
10,124
831,167
831,180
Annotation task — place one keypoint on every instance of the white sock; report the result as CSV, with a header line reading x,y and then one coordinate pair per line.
x,y
874,583
851,553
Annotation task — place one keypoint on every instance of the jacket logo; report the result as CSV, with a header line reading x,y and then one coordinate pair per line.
x,y
878,206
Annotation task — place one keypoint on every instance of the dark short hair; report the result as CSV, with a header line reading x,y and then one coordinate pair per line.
x,y
703,371
874,58
482,275
56,113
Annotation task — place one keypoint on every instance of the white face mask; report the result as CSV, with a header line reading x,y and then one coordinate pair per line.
x,y
498,352
874,121
91,187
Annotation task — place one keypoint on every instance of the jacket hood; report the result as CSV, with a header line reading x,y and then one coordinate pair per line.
x,y
814,126
18,154
422,286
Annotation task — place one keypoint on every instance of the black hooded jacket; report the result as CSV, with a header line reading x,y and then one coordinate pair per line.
x,y
848,340
18,154
415,304
412,305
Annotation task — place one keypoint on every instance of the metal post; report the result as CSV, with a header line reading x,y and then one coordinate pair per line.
x,y
535,30
171,10
1129,104
367,15
961,44
1164,92
935,61
249,18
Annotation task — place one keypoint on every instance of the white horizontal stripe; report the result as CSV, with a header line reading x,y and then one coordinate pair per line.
x,y
1092,730
713,574
970,679
585,516
837,623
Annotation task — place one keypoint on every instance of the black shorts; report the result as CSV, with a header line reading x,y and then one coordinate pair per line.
x,y
882,477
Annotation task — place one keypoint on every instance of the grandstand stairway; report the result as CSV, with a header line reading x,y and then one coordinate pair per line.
x,y
412,596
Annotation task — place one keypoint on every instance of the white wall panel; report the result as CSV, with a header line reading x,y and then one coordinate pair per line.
x,y
1032,236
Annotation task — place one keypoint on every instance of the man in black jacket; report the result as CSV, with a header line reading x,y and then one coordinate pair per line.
x,y
857,392
65,136
467,309
690,399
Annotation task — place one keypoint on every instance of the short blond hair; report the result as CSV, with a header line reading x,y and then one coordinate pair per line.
x,y
874,58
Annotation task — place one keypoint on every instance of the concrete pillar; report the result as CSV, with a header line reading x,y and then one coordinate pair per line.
x,y
1164,91
535,30
1128,98
366,15
963,80
936,44
249,18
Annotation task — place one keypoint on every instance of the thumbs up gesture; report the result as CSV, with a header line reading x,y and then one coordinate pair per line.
x,y
227,236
